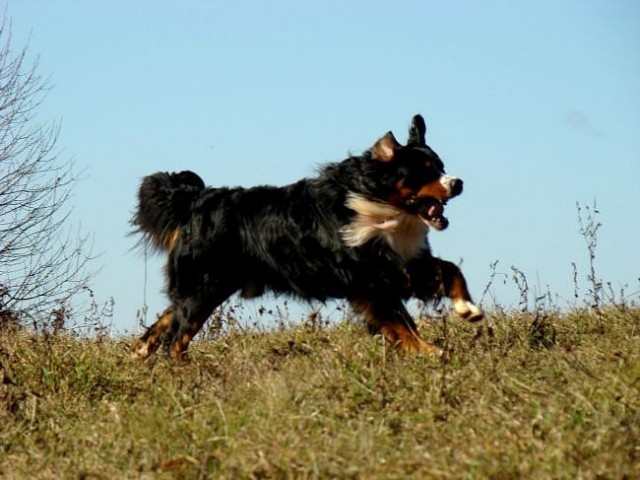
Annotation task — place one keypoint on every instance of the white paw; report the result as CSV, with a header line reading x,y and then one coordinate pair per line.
x,y
140,350
468,310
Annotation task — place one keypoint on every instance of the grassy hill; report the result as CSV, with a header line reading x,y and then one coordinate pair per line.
x,y
555,396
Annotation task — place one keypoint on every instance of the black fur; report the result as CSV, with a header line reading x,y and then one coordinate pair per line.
x,y
164,204
286,239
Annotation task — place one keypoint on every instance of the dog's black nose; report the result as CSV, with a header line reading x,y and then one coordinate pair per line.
x,y
456,187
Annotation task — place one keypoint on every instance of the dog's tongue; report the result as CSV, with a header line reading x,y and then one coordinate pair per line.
x,y
433,214
430,210
435,209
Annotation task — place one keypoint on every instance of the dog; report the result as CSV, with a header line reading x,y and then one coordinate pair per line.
x,y
357,231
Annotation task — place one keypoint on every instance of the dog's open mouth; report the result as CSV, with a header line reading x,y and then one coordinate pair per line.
x,y
430,210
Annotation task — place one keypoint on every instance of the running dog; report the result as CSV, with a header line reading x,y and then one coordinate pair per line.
x,y
357,231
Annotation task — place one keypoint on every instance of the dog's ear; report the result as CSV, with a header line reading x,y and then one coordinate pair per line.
x,y
384,149
417,131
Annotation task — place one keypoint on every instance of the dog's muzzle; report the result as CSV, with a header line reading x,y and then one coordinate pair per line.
x,y
452,184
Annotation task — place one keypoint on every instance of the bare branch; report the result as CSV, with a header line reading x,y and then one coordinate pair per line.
x,y
42,260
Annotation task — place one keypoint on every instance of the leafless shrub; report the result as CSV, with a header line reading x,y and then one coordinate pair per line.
x,y
589,226
42,260
520,279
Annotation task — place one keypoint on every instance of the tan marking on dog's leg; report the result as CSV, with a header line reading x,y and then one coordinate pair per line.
x,y
456,289
407,340
189,328
179,345
396,325
434,278
150,341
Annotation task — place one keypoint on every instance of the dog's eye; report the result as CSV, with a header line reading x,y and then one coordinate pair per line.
x,y
434,166
420,177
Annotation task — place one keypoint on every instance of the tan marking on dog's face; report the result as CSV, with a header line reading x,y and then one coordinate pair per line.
x,y
434,190
402,194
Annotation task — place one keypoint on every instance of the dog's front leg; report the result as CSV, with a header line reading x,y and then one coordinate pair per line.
x,y
391,319
434,278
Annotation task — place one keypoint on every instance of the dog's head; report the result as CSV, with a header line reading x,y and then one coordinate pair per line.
x,y
419,184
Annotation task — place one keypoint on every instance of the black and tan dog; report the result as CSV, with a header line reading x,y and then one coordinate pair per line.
x,y
357,231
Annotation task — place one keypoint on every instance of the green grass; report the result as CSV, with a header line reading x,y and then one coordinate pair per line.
x,y
558,397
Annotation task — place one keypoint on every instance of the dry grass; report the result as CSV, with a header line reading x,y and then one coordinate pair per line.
x,y
553,397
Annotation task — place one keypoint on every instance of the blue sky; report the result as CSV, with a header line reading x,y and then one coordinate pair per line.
x,y
535,105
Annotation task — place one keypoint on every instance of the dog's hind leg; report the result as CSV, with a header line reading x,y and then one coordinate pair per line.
x,y
392,320
190,315
196,290
154,336
434,278
175,328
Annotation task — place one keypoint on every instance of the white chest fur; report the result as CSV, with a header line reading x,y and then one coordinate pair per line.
x,y
405,233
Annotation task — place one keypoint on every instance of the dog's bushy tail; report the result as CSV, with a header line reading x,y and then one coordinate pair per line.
x,y
164,204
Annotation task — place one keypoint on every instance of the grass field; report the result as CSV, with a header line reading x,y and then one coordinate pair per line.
x,y
557,396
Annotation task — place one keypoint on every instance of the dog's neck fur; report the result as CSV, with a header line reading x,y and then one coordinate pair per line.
x,y
403,232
